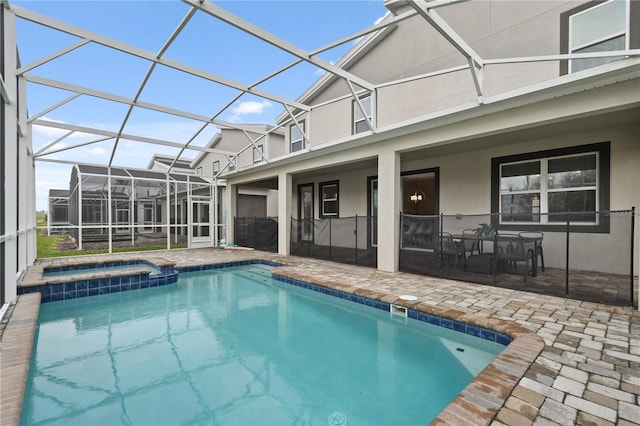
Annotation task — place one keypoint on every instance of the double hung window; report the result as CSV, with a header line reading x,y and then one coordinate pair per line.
x,y
216,167
257,154
329,199
601,28
233,163
550,190
360,119
296,137
199,171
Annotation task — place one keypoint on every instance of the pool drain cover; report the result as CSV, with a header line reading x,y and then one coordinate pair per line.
x,y
337,419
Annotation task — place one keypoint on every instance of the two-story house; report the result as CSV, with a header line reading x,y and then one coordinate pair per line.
x,y
526,110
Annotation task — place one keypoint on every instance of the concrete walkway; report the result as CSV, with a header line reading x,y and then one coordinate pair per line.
x,y
571,362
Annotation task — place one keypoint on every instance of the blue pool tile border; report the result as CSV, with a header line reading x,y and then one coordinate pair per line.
x,y
462,327
210,266
96,286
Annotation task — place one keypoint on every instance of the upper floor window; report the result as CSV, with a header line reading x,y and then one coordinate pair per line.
x,y
199,171
296,137
257,154
359,120
233,163
216,167
549,188
329,201
600,28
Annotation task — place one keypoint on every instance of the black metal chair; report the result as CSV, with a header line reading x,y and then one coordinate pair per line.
x,y
538,253
513,248
446,248
470,242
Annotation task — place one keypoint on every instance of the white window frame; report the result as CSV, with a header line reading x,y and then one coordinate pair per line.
x,y
216,167
199,171
323,200
594,42
299,140
356,110
233,163
257,154
544,191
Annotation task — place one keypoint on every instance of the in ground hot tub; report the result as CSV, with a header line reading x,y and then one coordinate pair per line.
x,y
94,278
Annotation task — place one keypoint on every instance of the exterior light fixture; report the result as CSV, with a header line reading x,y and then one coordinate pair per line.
x,y
416,197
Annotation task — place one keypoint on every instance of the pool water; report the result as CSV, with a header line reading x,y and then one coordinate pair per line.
x,y
235,347
101,268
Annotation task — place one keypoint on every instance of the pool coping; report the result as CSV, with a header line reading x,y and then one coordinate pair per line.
x,y
478,403
16,345
93,282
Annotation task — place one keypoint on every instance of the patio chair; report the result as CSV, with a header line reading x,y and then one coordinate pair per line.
x,y
409,234
470,242
538,253
511,249
447,249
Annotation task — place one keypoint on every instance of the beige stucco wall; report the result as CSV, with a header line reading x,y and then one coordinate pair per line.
x,y
233,140
497,29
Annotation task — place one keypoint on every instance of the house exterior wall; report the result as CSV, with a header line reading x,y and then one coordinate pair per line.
x,y
494,29
233,140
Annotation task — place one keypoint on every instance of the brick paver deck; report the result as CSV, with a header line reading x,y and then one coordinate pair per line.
x,y
571,362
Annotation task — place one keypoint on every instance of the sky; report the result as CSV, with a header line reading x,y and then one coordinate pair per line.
x,y
205,43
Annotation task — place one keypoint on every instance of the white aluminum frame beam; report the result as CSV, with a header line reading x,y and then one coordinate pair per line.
x,y
295,121
476,63
67,148
563,56
111,134
53,107
3,92
149,56
52,56
127,101
260,33
49,145
356,99
142,85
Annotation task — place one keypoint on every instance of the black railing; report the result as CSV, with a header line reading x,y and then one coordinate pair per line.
x,y
260,233
346,240
585,256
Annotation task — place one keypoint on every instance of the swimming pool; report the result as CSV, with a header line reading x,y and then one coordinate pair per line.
x,y
234,346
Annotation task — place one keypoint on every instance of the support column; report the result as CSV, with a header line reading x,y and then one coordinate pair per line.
x,y
388,210
10,168
109,213
230,199
284,213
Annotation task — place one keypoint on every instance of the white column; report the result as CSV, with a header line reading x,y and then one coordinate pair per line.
x,y
11,150
284,212
167,214
388,210
216,219
79,186
109,213
229,209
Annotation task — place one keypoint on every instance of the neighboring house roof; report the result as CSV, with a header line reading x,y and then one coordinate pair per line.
x,y
136,173
183,163
53,193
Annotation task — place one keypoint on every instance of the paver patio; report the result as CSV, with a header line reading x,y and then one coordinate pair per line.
x,y
571,362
